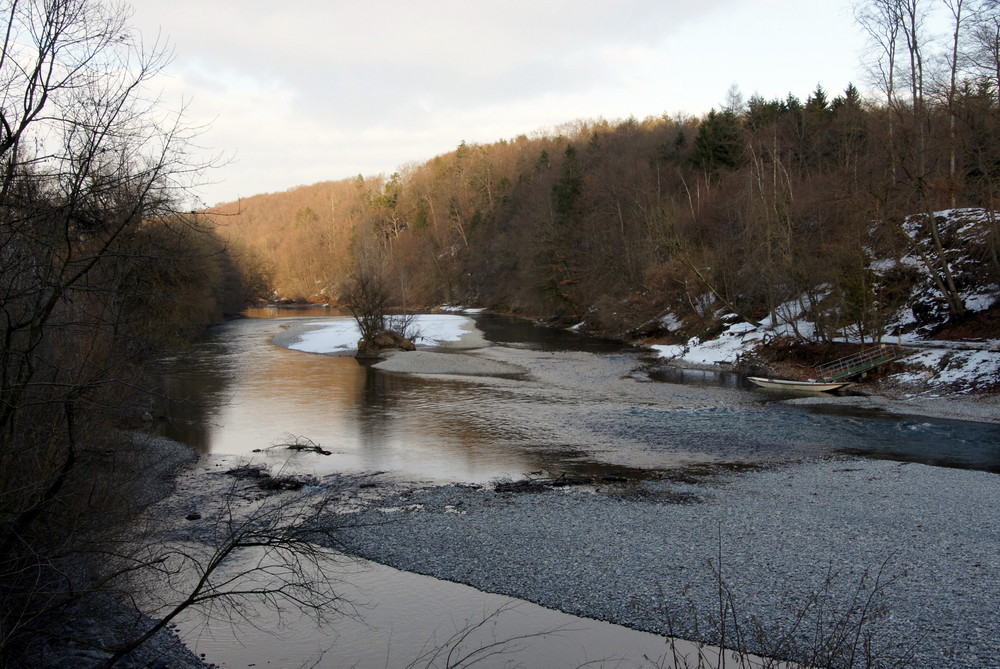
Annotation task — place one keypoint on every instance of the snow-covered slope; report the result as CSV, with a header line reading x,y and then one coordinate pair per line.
x,y
938,366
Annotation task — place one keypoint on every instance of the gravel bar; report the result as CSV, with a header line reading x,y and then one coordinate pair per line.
x,y
909,551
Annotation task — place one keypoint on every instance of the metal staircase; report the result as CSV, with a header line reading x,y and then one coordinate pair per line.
x,y
848,366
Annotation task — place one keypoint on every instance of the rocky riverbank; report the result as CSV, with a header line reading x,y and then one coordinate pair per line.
x,y
109,618
815,559
809,553
808,550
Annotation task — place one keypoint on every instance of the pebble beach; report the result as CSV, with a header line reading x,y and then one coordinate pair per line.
x,y
905,555
838,560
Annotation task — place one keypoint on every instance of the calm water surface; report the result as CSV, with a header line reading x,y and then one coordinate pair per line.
x,y
401,616
587,406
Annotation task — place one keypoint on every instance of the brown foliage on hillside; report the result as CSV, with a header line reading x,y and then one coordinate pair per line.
x,y
617,224
296,243
750,209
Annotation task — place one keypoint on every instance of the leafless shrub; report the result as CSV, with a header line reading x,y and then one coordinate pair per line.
x,y
466,647
826,629
90,233
405,323
293,442
271,553
367,297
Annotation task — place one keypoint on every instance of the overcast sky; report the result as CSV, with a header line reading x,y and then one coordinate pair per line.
x,y
301,91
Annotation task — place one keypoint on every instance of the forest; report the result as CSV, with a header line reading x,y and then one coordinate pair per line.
x,y
638,228
618,224
100,273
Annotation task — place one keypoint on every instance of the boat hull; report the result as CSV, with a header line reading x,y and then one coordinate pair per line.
x,y
784,384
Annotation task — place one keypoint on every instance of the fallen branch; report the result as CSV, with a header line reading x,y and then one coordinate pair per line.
x,y
297,443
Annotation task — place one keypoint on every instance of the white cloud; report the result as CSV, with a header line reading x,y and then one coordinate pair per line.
x,y
304,91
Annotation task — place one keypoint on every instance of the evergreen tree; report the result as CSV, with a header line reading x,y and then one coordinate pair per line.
x,y
567,189
719,143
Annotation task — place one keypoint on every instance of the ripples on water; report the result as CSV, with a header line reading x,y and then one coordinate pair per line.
x,y
235,393
775,432
239,394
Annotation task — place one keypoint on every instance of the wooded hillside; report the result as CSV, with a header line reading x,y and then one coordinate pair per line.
x,y
759,202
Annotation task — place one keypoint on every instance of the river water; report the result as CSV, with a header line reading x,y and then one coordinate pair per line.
x,y
585,406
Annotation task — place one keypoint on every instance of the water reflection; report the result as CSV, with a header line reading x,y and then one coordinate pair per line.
x,y
236,393
405,615
295,311
579,412
702,377
513,331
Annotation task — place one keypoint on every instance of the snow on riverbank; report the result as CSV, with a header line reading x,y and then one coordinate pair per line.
x,y
937,367
778,526
735,341
339,336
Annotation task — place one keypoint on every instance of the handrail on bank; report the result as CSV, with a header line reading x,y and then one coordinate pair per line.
x,y
861,361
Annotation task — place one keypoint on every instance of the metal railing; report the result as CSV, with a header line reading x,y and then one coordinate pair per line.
x,y
848,366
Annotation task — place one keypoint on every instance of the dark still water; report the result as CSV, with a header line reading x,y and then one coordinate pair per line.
x,y
517,332
584,406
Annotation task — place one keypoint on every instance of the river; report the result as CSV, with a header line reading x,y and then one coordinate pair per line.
x,y
585,406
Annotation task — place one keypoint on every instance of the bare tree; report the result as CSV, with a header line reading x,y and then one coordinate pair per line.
x,y
901,24
882,20
88,162
959,18
367,296
270,553
985,42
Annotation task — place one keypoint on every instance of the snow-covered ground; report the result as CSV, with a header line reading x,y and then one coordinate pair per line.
x,y
341,335
735,341
937,367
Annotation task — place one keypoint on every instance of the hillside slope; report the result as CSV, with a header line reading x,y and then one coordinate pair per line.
x,y
949,355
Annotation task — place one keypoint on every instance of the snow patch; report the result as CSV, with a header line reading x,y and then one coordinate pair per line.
x,y
339,335
724,350
939,366
670,322
459,309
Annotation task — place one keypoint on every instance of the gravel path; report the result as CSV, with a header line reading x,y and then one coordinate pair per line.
x,y
919,545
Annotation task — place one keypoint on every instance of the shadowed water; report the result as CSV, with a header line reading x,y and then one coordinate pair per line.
x,y
586,406
582,408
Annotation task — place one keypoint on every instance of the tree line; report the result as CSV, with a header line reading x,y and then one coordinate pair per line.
x,y
759,203
100,271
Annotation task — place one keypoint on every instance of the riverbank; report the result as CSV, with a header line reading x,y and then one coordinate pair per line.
x,y
109,617
463,351
787,523
904,555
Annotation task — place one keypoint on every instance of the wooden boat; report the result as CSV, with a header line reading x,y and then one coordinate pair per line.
x,y
785,384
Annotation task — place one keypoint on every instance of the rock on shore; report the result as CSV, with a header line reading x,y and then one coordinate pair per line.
x,y
910,553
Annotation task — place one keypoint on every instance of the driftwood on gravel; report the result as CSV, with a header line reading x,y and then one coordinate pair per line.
x,y
264,479
537,482
294,442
